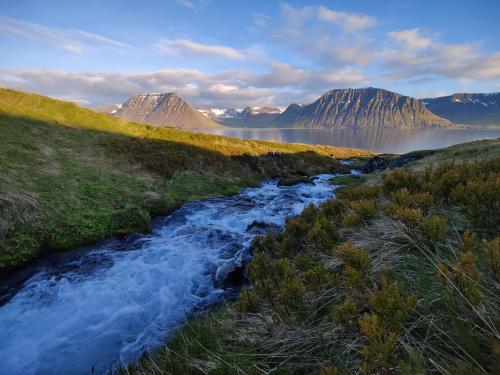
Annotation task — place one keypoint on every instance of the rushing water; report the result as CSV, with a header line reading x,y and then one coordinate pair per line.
x,y
377,140
94,308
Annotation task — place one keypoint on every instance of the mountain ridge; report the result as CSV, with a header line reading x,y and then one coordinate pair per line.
x,y
350,108
361,108
167,109
467,108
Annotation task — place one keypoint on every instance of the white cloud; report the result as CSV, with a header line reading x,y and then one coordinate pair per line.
x,y
411,38
74,41
349,21
186,46
193,4
280,85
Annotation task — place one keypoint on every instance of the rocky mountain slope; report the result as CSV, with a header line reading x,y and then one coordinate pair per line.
x,y
361,108
109,108
250,116
164,110
471,109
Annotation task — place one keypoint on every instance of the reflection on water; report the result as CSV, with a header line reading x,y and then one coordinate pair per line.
x,y
378,140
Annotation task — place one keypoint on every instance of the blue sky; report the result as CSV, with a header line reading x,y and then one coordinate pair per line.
x,y
239,53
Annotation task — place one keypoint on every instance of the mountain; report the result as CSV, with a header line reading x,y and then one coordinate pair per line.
x,y
164,110
361,108
249,116
107,108
471,109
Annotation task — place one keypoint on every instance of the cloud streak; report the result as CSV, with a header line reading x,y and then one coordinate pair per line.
x,y
349,21
74,41
188,47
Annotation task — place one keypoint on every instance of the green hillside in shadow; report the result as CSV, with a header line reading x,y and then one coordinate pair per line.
x,y
70,176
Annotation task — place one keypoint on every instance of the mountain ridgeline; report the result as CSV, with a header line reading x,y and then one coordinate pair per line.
x,y
337,109
361,108
164,110
465,108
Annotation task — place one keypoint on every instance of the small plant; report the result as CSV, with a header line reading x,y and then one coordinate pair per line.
x,y
408,216
465,274
492,256
435,228
379,351
353,256
246,302
360,192
323,233
332,371
346,313
391,305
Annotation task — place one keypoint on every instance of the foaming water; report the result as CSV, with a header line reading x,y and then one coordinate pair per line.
x,y
98,307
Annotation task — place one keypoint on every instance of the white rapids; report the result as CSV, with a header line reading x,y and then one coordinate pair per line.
x,y
90,310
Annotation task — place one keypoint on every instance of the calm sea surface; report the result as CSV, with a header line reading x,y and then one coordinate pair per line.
x,y
377,140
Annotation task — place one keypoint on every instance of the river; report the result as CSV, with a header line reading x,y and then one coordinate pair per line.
x,y
94,308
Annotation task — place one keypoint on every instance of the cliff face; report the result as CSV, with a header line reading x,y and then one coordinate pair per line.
x,y
164,110
362,108
464,108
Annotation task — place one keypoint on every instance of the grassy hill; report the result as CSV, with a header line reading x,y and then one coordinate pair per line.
x,y
70,176
398,275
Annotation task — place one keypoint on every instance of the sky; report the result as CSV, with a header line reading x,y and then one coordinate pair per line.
x,y
247,53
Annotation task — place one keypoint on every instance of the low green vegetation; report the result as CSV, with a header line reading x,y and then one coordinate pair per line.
x,y
398,275
70,176
348,181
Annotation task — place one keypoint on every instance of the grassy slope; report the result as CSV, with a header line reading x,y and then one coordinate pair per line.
x,y
70,176
412,293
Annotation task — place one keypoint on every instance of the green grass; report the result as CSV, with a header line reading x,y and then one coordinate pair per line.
x,y
399,274
348,181
70,176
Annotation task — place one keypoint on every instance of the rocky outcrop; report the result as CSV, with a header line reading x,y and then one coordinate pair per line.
x,y
361,108
464,108
164,110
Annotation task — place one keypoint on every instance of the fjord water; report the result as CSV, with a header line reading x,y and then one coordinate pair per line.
x,y
377,140
94,308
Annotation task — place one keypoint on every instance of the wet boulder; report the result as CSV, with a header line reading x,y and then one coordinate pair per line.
x,y
261,227
373,164
400,161
231,274
294,180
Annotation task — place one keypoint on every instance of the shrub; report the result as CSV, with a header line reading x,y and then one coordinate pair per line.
x,y
435,228
353,256
291,293
247,302
366,208
323,233
331,371
402,197
466,276
346,313
360,192
333,209
379,352
402,179
319,277
492,256
352,220
408,216
391,305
